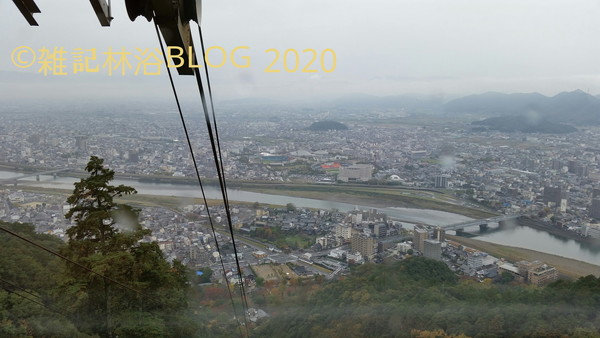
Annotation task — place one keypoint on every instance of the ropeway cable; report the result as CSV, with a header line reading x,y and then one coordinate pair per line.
x,y
68,260
197,171
220,175
220,160
40,302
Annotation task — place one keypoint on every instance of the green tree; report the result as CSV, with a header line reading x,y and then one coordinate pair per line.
x,y
506,277
95,213
25,271
290,207
108,239
206,275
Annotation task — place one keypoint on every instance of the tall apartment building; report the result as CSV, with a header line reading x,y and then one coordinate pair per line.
x,y
557,165
344,231
571,166
595,208
439,234
81,144
557,196
419,237
364,244
432,249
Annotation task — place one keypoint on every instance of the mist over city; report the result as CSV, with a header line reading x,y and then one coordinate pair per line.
x,y
434,170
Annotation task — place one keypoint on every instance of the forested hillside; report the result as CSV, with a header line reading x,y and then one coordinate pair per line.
x,y
416,295
410,298
29,280
104,281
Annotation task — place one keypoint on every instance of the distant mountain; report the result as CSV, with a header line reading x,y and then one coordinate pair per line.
x,y
525,124
409,103
575,107
327,125
496,103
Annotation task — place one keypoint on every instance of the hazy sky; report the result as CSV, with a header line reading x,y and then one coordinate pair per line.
x,y
441,47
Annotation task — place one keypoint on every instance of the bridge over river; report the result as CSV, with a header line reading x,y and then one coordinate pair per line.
x,y
15,180
483,223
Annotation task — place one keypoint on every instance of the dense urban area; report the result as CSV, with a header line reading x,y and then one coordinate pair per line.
x,y
298,169
552,175
548,181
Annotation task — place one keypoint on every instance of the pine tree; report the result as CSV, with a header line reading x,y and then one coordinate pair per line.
x,y
107,238
95,213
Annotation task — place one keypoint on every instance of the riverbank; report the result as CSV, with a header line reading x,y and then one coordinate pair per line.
x,y
175,203
539,225
377,197
568,268
142,200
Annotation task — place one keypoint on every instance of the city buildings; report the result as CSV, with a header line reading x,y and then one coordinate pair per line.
x,y
441,181
556,197
595,208
439,234
432,249
542,275
357,172
343,231
476,259
365,245
537,273
419,236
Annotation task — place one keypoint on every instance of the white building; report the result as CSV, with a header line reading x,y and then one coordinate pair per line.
x,y
592,230
357,172
343,231
337,253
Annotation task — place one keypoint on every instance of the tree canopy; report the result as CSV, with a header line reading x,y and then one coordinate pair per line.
x,y
29,278
107,238
419,297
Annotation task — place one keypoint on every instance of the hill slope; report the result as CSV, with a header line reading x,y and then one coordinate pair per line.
x,y
575,107
525,124
418,294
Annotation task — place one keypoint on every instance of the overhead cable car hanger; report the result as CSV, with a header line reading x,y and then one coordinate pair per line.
x,y
172,17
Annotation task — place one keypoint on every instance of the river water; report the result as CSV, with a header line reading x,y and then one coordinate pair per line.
x,y
519,236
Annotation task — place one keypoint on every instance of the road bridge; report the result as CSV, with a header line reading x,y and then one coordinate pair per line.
x,y
483,223
14,180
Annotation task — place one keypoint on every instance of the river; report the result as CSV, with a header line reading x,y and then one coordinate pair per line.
x,y
519,236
